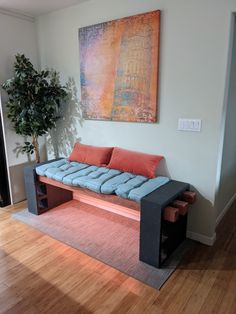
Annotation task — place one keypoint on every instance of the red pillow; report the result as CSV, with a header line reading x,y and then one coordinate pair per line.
x,y
92,155
134,162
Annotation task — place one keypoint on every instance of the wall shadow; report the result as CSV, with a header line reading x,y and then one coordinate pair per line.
x,y
60,140
162,169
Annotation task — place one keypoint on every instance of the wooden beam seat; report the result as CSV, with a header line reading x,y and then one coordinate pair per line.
x,y
112,203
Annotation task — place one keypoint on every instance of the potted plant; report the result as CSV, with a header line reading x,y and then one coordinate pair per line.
x,y
34,100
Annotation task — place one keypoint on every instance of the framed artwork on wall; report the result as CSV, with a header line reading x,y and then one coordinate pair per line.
x,y
119,62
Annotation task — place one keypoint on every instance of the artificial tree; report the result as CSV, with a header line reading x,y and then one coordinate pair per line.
x,y
34,100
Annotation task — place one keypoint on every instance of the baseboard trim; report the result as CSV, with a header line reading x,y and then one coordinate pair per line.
x,y
201,238
226,208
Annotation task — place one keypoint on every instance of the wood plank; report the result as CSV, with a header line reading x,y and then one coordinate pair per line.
x,y
8,298
111,207
111,203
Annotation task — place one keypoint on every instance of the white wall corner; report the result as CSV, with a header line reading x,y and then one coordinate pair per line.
x,y
18,15
226,208
201,238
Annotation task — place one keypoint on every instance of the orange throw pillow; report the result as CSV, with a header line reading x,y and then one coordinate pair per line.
x,y
134,162
92,155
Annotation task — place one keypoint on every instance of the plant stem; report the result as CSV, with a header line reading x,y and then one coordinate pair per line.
x,y
36,148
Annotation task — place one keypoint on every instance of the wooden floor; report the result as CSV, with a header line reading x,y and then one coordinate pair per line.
x,y
41,275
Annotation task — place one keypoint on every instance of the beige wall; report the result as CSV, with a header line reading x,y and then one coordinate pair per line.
x,y
227,186
17,35
194,48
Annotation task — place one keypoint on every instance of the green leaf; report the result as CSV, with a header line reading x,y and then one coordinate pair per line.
x,y
34,99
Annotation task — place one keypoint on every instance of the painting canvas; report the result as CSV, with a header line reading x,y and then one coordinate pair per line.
x,y
119,69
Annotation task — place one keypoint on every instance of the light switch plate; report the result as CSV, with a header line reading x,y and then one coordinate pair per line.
x,y
193,125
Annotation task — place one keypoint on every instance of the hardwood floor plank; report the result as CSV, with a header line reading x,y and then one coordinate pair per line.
x,y
41,275
125,304
142,305
8,298
133,287
224,285
201,291
101,295
220,298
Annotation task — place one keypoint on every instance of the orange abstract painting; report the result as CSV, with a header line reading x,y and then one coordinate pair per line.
x,y
119,68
